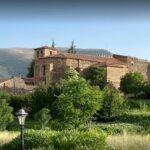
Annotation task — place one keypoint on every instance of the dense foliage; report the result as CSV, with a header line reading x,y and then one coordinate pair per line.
x,y
31,69
6,116
96,76
64,140
71,74
72,48
132,83
146,89
19,101
43,96
43,117
111,106
77,102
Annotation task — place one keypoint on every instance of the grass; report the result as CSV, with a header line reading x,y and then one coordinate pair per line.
x,y
7,136
128,142
29,124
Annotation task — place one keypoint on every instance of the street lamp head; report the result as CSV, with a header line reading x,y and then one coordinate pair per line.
x,y
21,114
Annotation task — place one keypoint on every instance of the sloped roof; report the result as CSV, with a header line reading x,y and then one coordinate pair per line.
x,y
45,47
105,61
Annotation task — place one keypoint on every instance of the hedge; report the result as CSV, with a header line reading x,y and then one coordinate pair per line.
x,y
92,139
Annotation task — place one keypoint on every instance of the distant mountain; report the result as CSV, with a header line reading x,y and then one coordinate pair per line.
x,y
89,51
15,61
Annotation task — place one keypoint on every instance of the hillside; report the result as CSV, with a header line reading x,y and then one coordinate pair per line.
x,y
15,61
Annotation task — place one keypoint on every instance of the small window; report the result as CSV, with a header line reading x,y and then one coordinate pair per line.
x,y
50,52
41,53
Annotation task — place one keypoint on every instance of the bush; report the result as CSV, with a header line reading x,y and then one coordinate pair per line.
x,y
137,104
147,90
20,101
112,105
43,97
71,74
132,83
96,76
64,140
77,103
43,117
119,128
6,116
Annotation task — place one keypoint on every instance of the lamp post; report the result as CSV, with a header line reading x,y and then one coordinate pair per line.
x,y
21,114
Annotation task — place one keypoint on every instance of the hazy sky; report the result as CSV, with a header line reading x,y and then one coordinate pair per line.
x,y
123,27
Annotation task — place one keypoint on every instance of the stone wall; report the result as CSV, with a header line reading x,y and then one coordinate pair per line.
x,y
54,70
15,85
79,65
115,73
136,65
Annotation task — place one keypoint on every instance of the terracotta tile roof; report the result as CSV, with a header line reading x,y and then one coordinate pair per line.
x,y
45,47
105,61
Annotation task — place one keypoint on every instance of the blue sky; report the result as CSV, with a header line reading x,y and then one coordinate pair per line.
x,y
121,28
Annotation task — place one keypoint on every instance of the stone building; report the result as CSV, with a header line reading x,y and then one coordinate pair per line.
x,y
15,85
50,65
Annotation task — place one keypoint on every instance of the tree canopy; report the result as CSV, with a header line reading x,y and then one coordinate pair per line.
x,y
131,83
72,48
77,103
5,114
71,74
96,76
31,69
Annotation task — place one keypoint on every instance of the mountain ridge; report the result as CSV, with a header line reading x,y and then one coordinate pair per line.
x,y
15,61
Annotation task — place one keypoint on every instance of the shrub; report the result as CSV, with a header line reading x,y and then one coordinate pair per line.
x,y
43,97
111,106
132,83
43,117
71,74
19,101
147,90
64,140
77,103
137,104
6,116
96,76
119,128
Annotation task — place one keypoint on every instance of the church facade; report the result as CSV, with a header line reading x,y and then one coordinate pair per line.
x,y
50,65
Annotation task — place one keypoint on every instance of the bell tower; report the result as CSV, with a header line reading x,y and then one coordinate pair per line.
x,y
44,51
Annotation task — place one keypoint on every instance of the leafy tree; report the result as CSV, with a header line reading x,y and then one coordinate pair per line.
x,y
77,103
96,76
43,96
43,117
31,69
131,83
6,116
19,101
72,48
71,74
112,105
146,89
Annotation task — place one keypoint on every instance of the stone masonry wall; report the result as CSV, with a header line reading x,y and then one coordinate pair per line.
x,y
115,73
